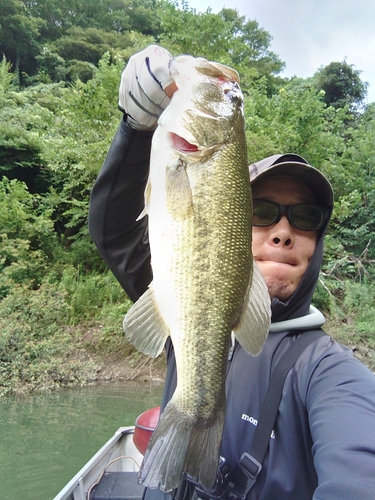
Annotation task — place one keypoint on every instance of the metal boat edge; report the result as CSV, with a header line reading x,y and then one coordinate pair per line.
x,y
119,448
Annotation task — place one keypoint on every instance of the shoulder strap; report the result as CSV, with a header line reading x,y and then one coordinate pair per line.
x,y
244,475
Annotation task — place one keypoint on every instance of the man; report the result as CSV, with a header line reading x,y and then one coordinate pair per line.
x,y
323,444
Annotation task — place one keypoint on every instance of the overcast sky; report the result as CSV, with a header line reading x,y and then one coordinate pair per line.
x,y
310,33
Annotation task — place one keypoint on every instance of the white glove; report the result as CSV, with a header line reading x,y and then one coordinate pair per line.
x,y
146,87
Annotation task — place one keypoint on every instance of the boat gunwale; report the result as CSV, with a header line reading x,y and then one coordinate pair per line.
x,y
68,492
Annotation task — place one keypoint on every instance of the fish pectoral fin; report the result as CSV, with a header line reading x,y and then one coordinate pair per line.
x,y
252,328
179,198
144,327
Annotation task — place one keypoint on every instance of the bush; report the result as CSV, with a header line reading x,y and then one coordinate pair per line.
x,y
36,348
43,332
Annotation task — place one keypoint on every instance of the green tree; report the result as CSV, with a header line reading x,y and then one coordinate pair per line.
x,y
293,120
51,66
342,85
355,211
250,47
27,239
77,142
19,36
225,37
110,15
80,44
6,80
24,119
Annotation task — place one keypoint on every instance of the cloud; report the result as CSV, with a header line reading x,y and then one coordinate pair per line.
x,y
310,34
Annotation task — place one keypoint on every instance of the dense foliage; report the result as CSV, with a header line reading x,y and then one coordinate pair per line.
x,y
58,113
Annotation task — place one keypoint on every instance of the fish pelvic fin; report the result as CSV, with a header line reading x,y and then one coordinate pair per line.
x,y
147,201
252,329
181,443
144,327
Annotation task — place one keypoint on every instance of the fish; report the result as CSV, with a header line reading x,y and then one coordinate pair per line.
x,y
205,283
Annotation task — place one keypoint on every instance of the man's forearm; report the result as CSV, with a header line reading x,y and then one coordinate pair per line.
x,y
117,199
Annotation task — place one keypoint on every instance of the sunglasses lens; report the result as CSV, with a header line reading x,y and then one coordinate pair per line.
x,y
306,217
264,213
302,216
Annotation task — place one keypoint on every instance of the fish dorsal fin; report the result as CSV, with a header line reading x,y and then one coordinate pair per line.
x,y
144,327
252,328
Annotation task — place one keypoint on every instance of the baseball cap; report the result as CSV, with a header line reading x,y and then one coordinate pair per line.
x,y
295,166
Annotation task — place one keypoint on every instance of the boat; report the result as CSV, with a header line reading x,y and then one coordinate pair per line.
x,y
112,473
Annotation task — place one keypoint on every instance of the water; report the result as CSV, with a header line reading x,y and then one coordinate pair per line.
x,y
45,439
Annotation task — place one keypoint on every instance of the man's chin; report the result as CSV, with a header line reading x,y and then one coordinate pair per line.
x,y
280,281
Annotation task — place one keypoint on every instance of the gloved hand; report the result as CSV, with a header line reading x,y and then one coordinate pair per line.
x,y
146,87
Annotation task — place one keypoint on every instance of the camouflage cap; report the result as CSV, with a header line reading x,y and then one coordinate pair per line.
x,y
294,166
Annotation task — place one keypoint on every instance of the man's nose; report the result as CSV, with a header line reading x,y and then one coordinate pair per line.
x,y
282,233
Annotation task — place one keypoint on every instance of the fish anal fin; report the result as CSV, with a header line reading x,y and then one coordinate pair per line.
x,y
179,198
144,327
253,325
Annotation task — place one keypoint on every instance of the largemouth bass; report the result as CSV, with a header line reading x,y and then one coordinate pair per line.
x,y
205,284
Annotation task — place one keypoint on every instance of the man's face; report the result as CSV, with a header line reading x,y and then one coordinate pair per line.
x,y
281,251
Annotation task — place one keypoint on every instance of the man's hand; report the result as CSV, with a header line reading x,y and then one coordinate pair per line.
x,y
146,87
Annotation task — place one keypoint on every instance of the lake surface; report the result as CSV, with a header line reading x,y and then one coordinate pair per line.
x,y
45,439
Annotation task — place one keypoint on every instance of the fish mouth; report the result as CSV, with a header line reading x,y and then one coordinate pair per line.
x,y
182,145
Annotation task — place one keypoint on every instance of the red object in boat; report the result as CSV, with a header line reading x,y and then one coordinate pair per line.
x,y
144,427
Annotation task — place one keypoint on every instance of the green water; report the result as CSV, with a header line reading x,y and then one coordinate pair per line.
x,y
46,439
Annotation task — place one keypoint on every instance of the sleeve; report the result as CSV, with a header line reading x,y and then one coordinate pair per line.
x,y
341,413
117,200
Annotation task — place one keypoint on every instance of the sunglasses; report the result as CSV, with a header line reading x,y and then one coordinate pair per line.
x,y
302,216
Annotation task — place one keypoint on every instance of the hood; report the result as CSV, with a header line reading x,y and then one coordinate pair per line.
x,y
295,166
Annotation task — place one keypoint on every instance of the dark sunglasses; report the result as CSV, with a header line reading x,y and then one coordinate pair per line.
x,y
303,216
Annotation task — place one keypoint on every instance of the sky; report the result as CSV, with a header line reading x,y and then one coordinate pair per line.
x,y
308,34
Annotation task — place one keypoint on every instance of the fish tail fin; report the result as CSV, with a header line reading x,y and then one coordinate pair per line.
x,y
202,457
182,444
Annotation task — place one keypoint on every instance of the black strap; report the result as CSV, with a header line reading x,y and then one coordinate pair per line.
x,y
244,475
